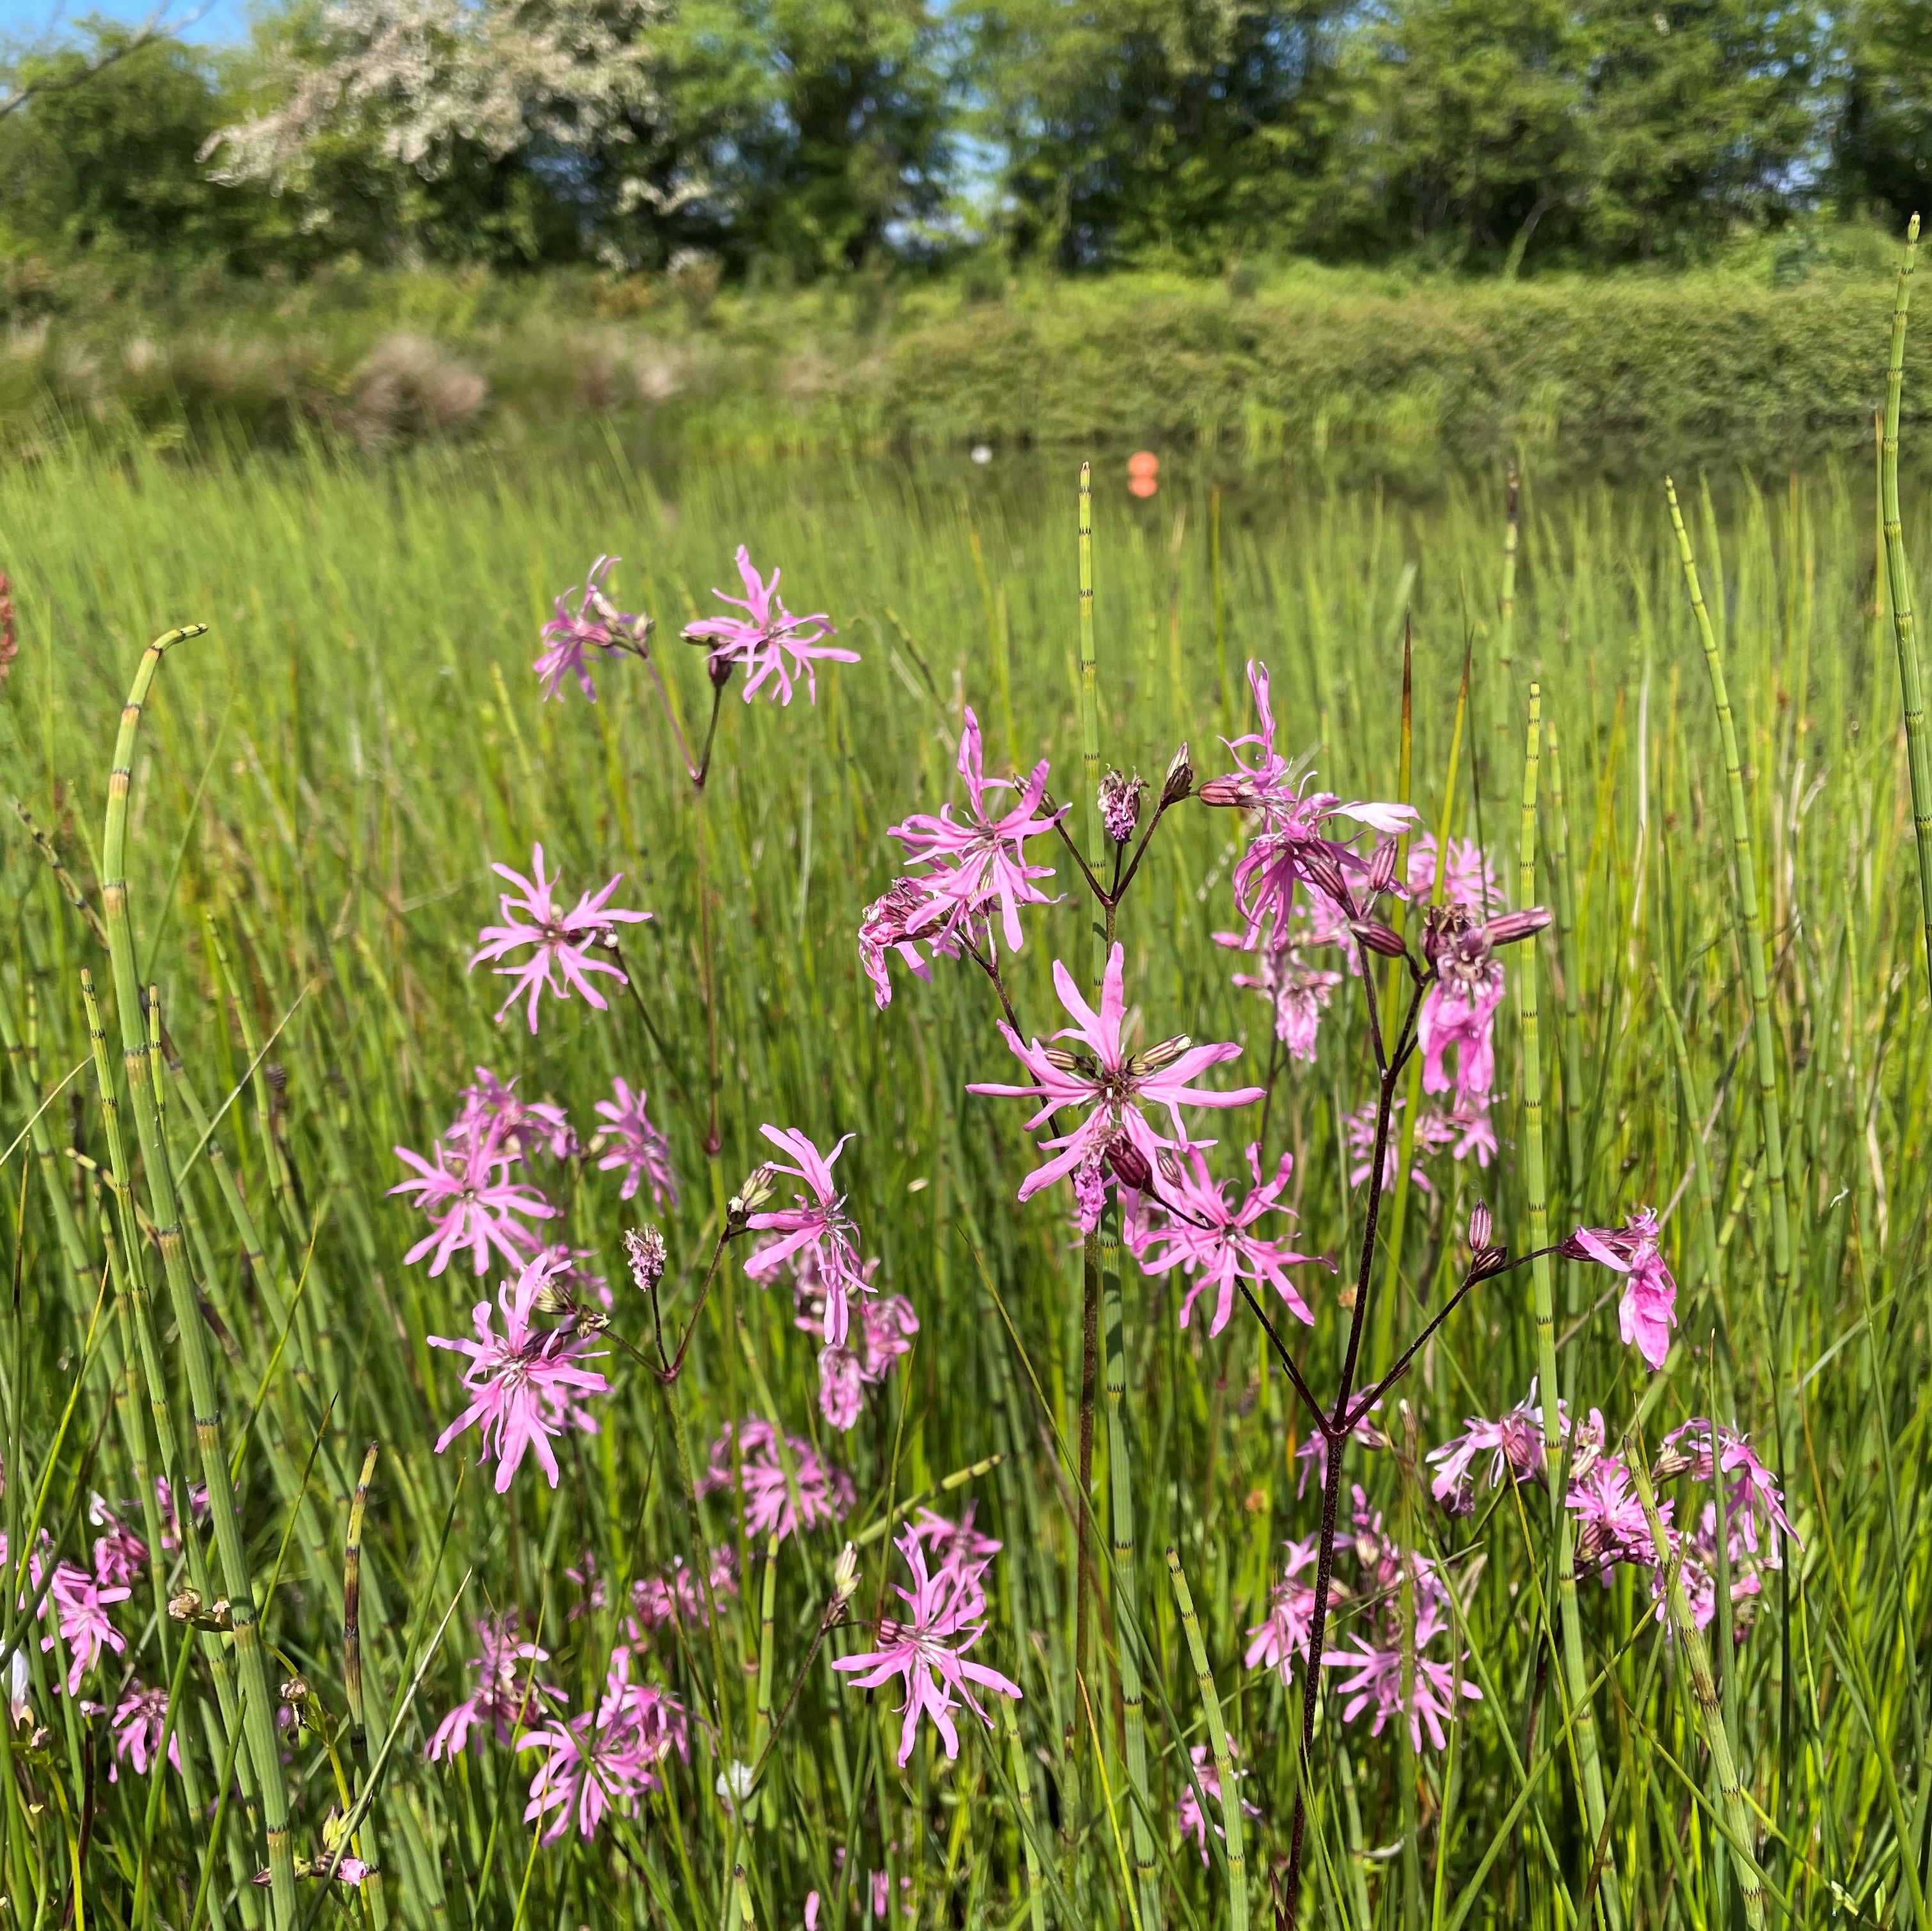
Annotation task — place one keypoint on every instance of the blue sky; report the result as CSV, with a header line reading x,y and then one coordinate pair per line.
x,y
39,20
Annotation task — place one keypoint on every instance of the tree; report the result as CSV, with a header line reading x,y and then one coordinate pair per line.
x,y
1883,149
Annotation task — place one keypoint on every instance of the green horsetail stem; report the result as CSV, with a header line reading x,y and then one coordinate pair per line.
x,y
251,1666
368,1844
1217,1744
1904,623
1535,1188
1745,863
1572,1021
1022,1775
1703,1686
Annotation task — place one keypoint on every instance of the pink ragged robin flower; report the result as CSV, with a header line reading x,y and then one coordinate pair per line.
x,y
816,1224
1459,1010
767,642
927,1651
886,1327
960,1547
1647,1310
882,931
1281,1635
1312,1454
824,1492
977,863
119,1555
139,1718
675,1596
472,1201
506,1691
1376,1687
1468,879
1611,1526
1111,1087
493,1113
636,1147
1294,846
526,1385
604,1759
1513,1445
1298,992
1754,1507
1187,1812
80,1606
597,627
1200,1230
560,959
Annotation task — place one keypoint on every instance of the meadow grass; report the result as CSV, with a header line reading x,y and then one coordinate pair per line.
x,y
317,788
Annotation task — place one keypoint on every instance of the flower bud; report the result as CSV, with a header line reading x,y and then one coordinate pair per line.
x,y
1157,1056
1129,1164
1514,925
1323,870
1221,791
1382,866
845,1574
1119,805
1481,1226
718,669
1379,938
759,1186
1179,781
644,1248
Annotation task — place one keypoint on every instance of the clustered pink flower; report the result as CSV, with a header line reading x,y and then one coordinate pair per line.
x,y
472,1201
1187,1810
927,1648
1109,1086
596,626
637,1147
526,1385
817,1226
505,1692
1513,1445
883,931
1190,1222
1468,879
976,864
1296,992
824,1493
493,1113
1374,1687
1647,1310
80,1608
1281,1635
846,1369
1464,1134
120,1555
676,1596
139,1719
1754,1507
767,643
560,960
605,1758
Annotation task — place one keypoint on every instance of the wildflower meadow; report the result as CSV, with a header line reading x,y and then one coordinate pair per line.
x,y
878,1192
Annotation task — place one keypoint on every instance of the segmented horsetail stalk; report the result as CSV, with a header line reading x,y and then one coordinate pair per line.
x,y
1536,1191
1217,1744
1690,1645
1506,607
251,1666
1022,1774
1904,624
1572,1021
1745,863
367,1848
1090,712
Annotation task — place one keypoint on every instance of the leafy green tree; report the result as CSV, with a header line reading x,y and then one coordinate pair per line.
x,y
1883,147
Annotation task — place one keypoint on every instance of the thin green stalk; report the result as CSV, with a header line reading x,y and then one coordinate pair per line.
x,y
369,1849
1022,1773
258,1704
1904,621
1576,1681
1217,1745
1745,863
1710,1717
1572,1024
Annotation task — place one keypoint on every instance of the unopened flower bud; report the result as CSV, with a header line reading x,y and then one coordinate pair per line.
x,y
1119,805
1179,781
1323,870
749,1198
644,1248
1384,939
1481,1226
1157,1057
1129,1164
1512,926
718,668
1382,866
1220,791
845,1574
